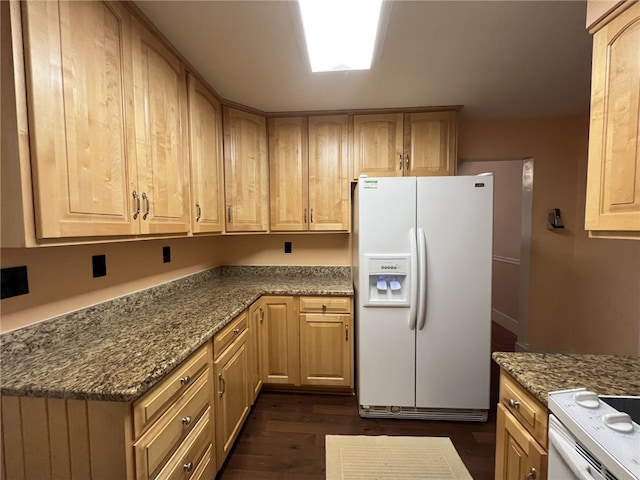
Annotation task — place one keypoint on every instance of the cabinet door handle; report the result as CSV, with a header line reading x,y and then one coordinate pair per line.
x,y
137,199
223,385
400,166
305,216
514,403
229,214
346,333
184,380
406,162
148,202
198,212
532,475
311,215
261,315
186,420
188,466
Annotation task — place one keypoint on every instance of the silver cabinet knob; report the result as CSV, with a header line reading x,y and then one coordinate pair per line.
x,y
532,475
184,380
236,330
514,403
188,466
186,420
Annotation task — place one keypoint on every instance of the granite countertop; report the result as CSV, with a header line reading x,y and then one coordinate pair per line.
x,y
541,373
119,349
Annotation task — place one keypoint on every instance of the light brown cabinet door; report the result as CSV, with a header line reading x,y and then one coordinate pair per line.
x,y
378,145
205,143
256,323
79,87
517,453
326,349
288,174
613,181
430,140
329,185
232,396
160,100
280,342
246,171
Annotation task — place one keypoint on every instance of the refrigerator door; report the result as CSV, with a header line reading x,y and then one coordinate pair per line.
x,y
385,341
453,352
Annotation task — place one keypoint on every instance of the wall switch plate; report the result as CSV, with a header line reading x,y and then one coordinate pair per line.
x,y
166,254
14,282
287,247
99,263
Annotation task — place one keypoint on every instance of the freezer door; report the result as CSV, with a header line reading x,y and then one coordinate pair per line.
x,y
385,343
453,352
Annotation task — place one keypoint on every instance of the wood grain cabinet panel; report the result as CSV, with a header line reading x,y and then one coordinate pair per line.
x,y
403,144
280,342
205,144
160,100
256,325
329,186
80,105
613,178
246,171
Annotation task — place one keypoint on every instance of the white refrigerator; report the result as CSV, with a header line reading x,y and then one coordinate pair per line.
x,y
422,255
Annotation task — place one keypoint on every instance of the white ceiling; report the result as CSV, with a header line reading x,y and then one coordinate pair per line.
x,y
496,58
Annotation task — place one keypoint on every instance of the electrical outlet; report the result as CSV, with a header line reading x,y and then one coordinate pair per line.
x,y
14,282
166,254
99,263
287,247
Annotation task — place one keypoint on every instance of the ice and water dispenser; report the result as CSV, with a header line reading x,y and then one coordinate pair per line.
x,y
389,278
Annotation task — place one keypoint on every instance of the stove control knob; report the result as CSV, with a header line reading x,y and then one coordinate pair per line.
x,y
587,399
620,422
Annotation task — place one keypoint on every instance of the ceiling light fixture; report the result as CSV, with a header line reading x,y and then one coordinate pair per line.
x,y
340,34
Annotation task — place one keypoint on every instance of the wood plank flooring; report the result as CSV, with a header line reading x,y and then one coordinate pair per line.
x,y
283,438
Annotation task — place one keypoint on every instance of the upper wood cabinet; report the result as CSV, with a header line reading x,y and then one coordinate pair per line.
x,y
329,186
246,171
397,144
80,106
205,144
613,176
308,165
160,100
107,121
289,174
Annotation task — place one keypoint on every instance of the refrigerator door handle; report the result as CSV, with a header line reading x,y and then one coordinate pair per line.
x,y
422,278
414,279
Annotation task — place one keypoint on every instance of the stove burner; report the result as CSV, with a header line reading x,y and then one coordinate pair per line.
x,y
628,405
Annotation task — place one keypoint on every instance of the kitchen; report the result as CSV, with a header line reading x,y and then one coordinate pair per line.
x,y
575,282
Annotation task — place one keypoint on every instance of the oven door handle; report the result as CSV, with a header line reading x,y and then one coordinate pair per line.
x,y
578,465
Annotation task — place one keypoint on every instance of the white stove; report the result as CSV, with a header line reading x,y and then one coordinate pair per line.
x,y
593,437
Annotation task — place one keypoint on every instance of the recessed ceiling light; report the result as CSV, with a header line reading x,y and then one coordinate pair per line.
x,y
340,34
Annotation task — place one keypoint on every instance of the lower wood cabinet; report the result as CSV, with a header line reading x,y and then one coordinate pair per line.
x,y
521,434
307,341
232,384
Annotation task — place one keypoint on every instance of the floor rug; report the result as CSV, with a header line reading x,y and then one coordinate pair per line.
x,y
360,457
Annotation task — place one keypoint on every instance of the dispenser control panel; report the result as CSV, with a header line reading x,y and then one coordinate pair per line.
x,y
388,279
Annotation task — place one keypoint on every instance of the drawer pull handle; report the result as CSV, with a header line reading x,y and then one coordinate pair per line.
x,y
184,380
236,330
137,199
223,385
532,475
186,420
188,466
514,404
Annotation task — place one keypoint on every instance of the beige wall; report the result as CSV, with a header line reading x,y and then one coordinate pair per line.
x,y
583,293
61,281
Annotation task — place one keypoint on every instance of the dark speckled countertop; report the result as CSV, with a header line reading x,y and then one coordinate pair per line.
x,y
541,373
119,349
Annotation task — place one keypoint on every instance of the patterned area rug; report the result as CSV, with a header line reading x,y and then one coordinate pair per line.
x,y
360,457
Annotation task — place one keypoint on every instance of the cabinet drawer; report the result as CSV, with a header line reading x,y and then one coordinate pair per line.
x,y
172,427
525,408
228,334
157,400
193,458
325,304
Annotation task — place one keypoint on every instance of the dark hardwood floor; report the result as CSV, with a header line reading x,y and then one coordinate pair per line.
x,y
283,438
